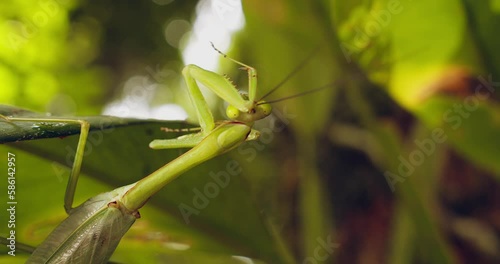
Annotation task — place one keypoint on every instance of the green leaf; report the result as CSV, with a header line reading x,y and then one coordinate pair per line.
x,y
470,125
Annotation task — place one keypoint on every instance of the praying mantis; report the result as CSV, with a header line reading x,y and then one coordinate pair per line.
x,y
92,231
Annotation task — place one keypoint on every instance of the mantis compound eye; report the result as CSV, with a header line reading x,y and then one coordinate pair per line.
x,y
266,108
232,112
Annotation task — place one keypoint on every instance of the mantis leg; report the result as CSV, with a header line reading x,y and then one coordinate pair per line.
x,y
252,75
205,117
218,84
221,86
185,141
77,163
203,113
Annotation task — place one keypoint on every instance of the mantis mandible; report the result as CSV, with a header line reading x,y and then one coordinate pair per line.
x,y
92,231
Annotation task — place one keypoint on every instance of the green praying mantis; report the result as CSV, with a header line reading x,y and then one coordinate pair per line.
x,y
92,231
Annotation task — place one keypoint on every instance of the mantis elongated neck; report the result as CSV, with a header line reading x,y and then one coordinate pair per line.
x,y
222,139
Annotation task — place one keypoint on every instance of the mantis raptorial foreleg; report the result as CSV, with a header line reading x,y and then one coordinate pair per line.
x,y
77,163
241,109
252,75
